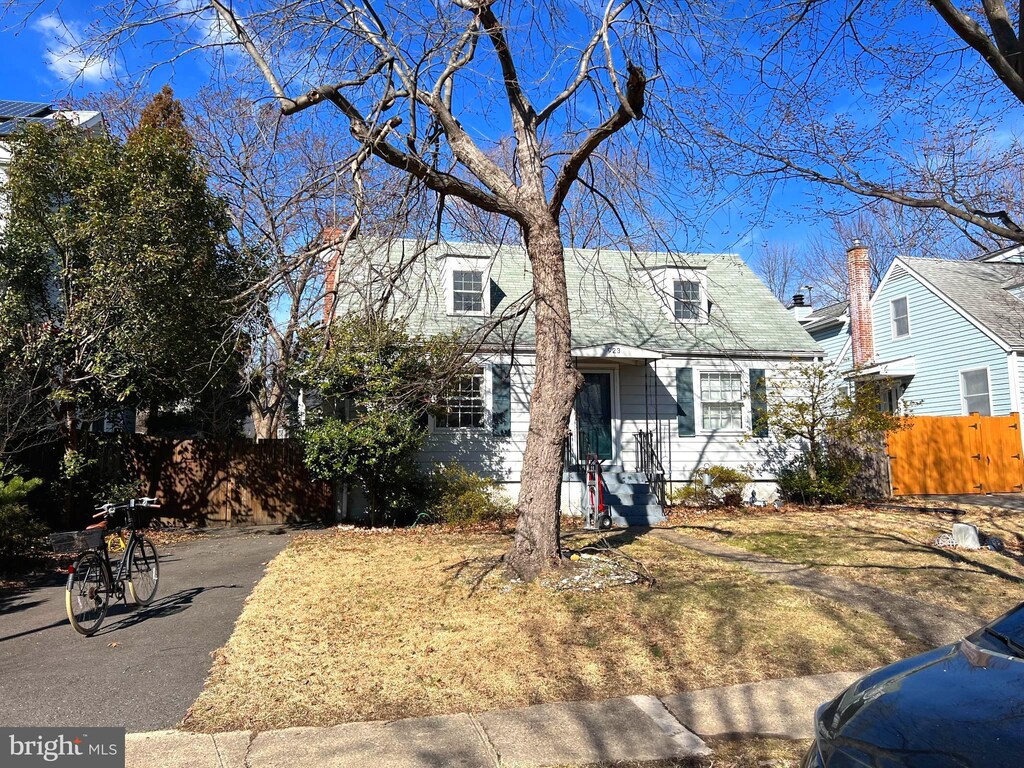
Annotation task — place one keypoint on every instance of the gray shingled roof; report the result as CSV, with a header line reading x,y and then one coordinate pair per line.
x,y
610,297
979,289
827,314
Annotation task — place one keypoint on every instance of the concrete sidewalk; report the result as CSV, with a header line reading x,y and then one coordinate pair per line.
x,y
637,728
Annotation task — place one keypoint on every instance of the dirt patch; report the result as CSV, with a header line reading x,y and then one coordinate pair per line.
x,y
360,625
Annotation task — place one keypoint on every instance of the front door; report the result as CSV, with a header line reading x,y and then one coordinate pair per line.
x,y
594,416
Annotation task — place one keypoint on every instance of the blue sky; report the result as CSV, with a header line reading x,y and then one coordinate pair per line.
x,y
36,65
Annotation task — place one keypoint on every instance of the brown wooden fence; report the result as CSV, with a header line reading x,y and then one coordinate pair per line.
x,y
205,482
957,454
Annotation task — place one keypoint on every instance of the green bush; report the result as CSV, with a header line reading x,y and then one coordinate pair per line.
x,y
377,450
20,532
714,486
828,479
461,498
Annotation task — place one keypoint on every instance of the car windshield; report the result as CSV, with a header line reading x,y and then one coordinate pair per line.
x,y
1010,630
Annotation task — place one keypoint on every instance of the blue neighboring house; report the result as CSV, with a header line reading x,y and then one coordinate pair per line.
x,y
946,336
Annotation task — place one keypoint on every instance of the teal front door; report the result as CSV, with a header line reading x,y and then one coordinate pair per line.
x,y
594,416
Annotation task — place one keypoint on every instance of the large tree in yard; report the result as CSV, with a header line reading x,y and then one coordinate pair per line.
x,y
499,106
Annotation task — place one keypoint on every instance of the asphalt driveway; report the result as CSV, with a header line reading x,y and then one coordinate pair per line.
x,y
145,666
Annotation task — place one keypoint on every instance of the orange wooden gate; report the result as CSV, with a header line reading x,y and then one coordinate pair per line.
x,y
956,454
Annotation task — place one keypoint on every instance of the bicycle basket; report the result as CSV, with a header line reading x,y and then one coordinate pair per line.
x,y
76,541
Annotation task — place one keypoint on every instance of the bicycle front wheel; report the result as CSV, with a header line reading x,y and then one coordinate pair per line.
x,y
88,593
143,571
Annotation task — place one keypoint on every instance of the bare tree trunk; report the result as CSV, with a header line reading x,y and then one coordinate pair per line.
x,y
556,382
264,424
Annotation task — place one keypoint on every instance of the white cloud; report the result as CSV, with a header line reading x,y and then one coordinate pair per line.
x,y
65,56
205,24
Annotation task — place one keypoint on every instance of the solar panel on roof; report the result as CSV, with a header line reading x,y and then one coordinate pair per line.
x,y
13,126
15,109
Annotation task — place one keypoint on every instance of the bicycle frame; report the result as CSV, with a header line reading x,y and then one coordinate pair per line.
x,y
117,580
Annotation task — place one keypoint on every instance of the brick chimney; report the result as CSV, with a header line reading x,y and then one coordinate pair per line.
x,y
858,266
329,237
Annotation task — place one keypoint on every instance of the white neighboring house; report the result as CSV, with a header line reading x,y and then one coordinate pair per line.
x,y
15,115
675,350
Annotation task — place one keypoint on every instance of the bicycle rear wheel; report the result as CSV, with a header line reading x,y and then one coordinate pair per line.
x,y
143,571
88,593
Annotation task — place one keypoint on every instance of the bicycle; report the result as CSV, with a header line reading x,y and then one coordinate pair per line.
x,y
92,580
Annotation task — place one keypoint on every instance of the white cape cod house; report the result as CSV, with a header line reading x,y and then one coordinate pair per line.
x,y
675,350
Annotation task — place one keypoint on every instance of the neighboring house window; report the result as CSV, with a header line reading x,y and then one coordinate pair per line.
x,y
464,404
687,299
974,388
467,290
900,317
721,401
891,400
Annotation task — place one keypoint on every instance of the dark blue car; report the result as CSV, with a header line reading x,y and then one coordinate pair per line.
x,y
960,706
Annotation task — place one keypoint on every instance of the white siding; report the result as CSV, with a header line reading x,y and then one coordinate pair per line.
x,y
647,401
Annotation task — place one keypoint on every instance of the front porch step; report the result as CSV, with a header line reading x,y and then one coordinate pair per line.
x,y
611,477
629,498
643,516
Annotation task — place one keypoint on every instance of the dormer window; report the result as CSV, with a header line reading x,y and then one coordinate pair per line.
x,y
467,291
686,299
467,284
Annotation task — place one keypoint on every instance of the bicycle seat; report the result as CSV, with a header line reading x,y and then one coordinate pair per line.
x,y
102,525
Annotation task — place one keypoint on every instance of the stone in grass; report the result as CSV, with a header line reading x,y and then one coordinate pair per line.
x,y
966,536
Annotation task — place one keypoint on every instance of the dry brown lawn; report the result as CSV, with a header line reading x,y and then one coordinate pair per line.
x,y
357,625
890,547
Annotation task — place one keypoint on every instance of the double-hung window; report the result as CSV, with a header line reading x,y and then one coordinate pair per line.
x,y
467,290
900,312
721,401
463,405
975,392
686,296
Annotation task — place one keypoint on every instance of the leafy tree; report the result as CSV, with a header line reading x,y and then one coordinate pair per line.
x,y
166,114
378,383
116,271
20,532
812,408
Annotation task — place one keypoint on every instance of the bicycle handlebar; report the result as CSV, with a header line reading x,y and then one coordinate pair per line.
x,y
110,507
